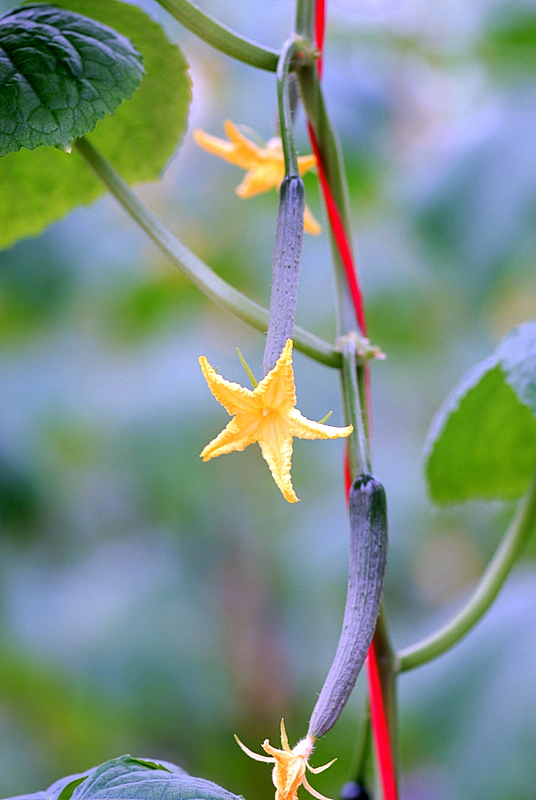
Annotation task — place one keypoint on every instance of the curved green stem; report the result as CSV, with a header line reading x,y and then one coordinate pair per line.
x,y
285,111
221,37
358,446
364,755
214,287
487,590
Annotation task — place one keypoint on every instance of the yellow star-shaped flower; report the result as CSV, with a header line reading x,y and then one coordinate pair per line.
x,y
290,765
265,165
266,415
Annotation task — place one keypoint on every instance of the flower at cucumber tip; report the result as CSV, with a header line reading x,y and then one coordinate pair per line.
x,y
267,415
290,765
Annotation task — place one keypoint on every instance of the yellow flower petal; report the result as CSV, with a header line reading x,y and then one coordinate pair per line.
x,y
310,225
266,415
240,150
232,396
305,163
227,441
277,388
313,791
305,428
265,166
247,149
279,462
262,178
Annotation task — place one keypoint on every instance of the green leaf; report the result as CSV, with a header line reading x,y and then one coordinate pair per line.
x,y
517,357
60,73
128,778
69,785
482,443
60,790
40,186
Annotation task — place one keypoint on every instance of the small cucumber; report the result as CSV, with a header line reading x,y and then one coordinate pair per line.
x,y
368,556
285,269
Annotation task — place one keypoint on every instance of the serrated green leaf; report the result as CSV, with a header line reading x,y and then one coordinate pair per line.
x,y
70,785
40,186
60,73
63,788
517,356
127,778
482,443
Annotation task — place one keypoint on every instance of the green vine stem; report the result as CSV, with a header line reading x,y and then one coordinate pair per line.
x,y
487,590
305,14
196,270
364,756
285,110
332,163
289,231
219,36
358,446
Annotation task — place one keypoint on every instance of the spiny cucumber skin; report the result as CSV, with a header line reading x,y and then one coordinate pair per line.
x,y
285,268
368,558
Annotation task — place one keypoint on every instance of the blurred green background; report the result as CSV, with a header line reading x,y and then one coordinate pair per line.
x,y
153,604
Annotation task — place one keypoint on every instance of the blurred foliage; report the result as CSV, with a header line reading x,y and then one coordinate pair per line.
x,y
153,604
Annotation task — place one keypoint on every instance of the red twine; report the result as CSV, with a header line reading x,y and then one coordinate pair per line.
x,y
378,717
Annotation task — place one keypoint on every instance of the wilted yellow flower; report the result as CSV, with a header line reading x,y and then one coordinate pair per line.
x,y
290,765
266,415
265,165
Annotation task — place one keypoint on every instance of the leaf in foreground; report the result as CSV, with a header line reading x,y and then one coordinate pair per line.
x,y
482,442
60,73
128,778
40,186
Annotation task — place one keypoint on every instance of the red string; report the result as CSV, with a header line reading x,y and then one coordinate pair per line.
x,y
378,717
339,234
320,29
380,728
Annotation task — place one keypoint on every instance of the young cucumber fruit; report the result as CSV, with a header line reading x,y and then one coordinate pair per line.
x,y
368,555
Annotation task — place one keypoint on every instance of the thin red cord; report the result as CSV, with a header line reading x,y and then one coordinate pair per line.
x,y
320,29
380,728
378,717
339,234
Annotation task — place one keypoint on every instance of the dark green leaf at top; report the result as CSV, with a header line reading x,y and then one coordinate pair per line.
x,y
482,443
40,186
60,73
